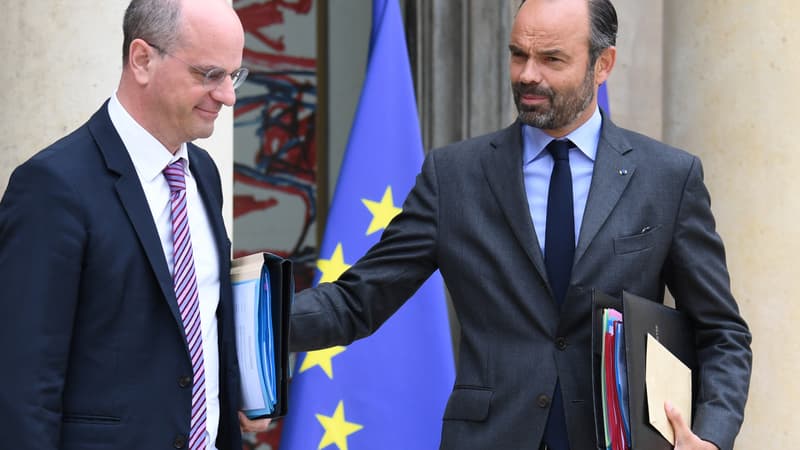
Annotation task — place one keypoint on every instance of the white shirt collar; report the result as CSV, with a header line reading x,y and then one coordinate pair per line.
x,y
585,138
149,156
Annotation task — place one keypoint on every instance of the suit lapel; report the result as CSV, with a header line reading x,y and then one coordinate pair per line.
x,y
205,176
502,166
611,175
134,202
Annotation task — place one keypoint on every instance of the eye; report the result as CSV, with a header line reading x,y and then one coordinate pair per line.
x,y
516,52
216,75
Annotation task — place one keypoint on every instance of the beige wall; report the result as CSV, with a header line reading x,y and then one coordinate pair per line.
x,y
635,89
719,79
62,60
731,71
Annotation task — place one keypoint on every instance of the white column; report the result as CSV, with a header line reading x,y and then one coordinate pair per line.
x,y
62,59
731,96
635,87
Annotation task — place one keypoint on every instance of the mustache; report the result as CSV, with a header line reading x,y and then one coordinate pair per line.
x,y
533,89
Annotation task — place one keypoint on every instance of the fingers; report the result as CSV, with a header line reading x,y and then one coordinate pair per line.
x,y
685,439
679,426
674,416
253,426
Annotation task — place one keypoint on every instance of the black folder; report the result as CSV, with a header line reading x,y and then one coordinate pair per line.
x,y
640,317
264,348
282,287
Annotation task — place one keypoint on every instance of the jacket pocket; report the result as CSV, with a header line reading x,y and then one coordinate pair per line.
x,y
469,403
637,242
89,418
95,432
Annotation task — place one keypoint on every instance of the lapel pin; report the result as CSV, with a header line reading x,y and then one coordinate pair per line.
x,y
623,172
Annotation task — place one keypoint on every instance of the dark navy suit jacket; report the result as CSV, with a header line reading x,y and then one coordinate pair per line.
x,y
647,226
91,340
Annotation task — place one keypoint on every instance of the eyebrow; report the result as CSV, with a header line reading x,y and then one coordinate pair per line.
x,y
552,52
545,52
207,67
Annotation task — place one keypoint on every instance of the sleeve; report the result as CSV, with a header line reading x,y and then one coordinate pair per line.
x,y
376,286
42,235
697,277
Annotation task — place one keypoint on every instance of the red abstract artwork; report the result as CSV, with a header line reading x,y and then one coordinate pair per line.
x,y
275,178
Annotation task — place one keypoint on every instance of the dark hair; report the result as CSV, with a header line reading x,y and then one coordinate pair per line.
x,y
154,21
603,31
603,27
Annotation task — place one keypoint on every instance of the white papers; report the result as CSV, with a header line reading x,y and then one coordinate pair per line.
x,y
245,294
254,340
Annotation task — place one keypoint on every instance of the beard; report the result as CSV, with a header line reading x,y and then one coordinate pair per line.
x,y
562,108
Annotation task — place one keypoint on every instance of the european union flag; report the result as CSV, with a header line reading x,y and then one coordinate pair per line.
x,y
388,390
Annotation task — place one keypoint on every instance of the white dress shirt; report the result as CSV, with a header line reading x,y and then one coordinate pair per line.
x,y
150,158
537,165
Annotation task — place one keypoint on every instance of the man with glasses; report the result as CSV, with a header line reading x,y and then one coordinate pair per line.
x,y
117,327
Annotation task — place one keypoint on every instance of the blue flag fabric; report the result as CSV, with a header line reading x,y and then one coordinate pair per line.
x,y
602,99
387,391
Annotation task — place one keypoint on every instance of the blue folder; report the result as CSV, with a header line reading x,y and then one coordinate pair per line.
x,y
263,288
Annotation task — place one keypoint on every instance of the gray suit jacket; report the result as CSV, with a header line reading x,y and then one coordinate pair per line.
x,y
468,216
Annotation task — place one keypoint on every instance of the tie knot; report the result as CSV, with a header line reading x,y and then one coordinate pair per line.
x,y
559,149
174,175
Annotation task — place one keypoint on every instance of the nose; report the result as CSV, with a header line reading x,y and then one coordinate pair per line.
x,y
224,92
530,73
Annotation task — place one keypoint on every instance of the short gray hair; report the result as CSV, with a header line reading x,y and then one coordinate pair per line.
x,y
154,21
603,30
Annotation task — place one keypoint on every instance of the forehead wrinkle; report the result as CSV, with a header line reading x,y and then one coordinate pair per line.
x,y
539,42
547,24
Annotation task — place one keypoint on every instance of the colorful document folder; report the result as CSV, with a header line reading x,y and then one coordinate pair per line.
x,y
620,332
262,295
612,371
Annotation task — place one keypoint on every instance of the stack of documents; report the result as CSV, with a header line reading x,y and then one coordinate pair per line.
x,y
262,295
614,386
639,363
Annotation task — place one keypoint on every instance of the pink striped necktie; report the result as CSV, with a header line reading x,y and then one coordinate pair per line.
x,y
188,301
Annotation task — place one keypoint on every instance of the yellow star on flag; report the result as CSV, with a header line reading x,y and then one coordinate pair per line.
x,y
321,358
332,268
382,212
336,428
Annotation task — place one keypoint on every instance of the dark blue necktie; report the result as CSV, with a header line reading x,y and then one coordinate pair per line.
x,y
559,240
559,250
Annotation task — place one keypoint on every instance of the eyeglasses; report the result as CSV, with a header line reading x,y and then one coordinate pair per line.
x,y
214,76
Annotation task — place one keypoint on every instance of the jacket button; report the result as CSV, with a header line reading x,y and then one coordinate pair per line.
x,y
179,442
561,343
185,381
543,401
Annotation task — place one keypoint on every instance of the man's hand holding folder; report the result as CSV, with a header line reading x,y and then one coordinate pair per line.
x,y
253,425
262,295
685,439
658,340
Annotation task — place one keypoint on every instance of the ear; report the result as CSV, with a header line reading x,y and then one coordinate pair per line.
x,y
604,64
141,60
